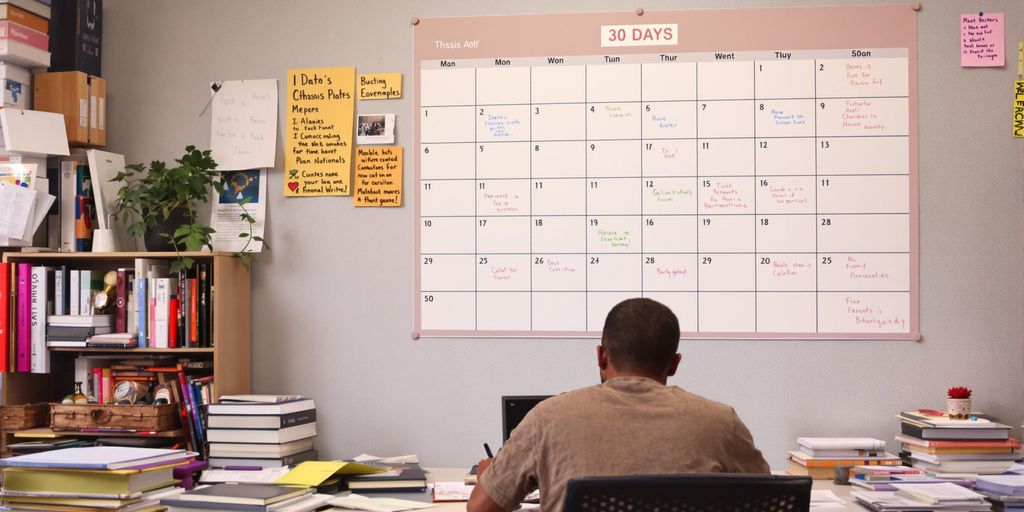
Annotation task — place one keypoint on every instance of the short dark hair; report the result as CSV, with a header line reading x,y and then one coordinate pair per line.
x,y
641,335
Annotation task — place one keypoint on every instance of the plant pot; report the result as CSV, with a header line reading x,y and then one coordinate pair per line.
x,y
157,237
958,408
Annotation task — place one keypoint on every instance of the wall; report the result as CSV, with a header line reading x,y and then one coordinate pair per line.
x,y
332,304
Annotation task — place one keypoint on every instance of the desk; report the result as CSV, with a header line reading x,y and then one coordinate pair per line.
x,y
457,474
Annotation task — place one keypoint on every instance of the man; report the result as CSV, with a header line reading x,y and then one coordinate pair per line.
x,y
631,424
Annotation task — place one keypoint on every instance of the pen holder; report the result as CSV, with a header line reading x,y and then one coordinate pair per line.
x,y
103,240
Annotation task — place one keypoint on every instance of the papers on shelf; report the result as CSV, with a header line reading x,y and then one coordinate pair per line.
x,y
22,211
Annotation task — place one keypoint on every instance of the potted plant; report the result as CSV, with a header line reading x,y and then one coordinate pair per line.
x,y
958,403
158,203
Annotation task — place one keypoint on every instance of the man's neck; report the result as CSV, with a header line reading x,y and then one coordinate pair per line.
x,y
611,373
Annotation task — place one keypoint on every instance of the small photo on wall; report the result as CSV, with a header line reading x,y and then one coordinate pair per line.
x,y
375,129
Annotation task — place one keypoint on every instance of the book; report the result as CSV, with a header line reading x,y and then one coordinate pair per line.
x,y
42,289
33,6
204,305
1004,485
85,208
113,340
981,467
400,477
77,36
5,302
74,293
121,299
283,435
24,327
228,405
243,494
23,17
939,494
161,299
81,320
96,457
261,451
22,54
804,459
262,399
841,443
968,433
959,446
262,421
23,34
266,463
90,281
85,481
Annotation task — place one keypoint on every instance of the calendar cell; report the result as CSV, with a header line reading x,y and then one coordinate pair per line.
x,y
455,235
559,272
863,233
613,158
559,84
864,312
669,157
502,86
726,312
786,273
864,272
611,121
503,123
863,116
669,196
507,311
675,234
560,311
448,161
725,195
726,233
614,272
786,233
502,197
785,156
784,118
786,312
611,83
559,159
440,87
559,234
669,120
725,80
725,157
874,77
613,234
600,303
442,311
447,273
778,79
864,155
613,196
503,234
503,160
786,194
683,304
447,197
559,122
447,124
559,197
725,272
503,272
864,194
670,272
669,81
717,119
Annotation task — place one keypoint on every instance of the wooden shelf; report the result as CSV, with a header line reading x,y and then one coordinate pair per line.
x,y
94,350
46,433
107,255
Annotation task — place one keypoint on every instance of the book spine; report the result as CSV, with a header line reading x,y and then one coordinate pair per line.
x,y
97,384
12,321
39,357
26,18
193,312
25,35
75,293
161,306
132,312
5,326
197,408
121,302
58,291
24,317
107,386
142,303
172,326
204,309
85,292
186,404
67,206
180,317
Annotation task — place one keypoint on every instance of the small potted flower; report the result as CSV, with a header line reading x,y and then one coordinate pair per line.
x,y
958,403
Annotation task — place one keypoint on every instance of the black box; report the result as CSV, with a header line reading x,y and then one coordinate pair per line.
x,y
76,29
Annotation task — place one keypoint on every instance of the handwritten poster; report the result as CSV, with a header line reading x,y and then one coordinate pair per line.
x,y
243,127
318,142
981,40
380,86
378,176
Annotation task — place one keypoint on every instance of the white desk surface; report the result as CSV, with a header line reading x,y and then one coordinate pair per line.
x,y
457,474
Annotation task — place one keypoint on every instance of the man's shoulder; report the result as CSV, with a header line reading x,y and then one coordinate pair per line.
x,y
584,397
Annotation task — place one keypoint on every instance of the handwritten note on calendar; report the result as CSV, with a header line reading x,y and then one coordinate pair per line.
x,y
243,126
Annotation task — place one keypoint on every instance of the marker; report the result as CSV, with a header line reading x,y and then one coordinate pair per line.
x,y
488,450
244,468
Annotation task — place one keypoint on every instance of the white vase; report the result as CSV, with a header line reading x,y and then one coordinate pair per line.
x,y
958,408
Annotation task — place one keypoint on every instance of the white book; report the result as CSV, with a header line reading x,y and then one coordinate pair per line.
x,y
161,310
279,436
85,292
944,492
58,292
14,72
66,204
23,54
73,294
40,356
841,443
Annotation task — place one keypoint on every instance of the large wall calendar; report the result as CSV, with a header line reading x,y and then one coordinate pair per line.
x,y
754,170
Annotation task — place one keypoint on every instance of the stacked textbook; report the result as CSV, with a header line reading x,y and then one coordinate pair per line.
x,y
1005,491
246,498
818,457
266,431
92,479
884,478
934,443
914,496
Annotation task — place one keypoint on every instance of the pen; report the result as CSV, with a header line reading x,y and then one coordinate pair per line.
x,y
488,450
244,468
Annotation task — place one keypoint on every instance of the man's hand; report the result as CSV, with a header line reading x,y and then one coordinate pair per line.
x,y
484,464
479,501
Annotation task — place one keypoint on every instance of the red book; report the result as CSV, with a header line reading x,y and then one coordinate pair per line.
x,y
5,313
22,34
172,326
121,302
193,308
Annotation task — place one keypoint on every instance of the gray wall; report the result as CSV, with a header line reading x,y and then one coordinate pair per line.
x,y
333,299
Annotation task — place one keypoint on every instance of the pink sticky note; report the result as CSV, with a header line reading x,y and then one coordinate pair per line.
x,y
981,40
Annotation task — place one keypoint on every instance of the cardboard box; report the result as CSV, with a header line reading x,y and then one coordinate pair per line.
x,y
76,30
81,98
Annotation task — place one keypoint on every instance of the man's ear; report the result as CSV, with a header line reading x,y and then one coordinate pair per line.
x,y
675,364
602,357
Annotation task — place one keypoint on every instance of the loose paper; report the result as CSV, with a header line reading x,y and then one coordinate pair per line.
x,y
248,186
1018,109
380,86
376,129
318,142
360,502
18,174
266,476
981,40
314,472
16,205
243,127
378,176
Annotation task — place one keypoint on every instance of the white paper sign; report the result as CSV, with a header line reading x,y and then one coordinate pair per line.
x,y
250,187
243,127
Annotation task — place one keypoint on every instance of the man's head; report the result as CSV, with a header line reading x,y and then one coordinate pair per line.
x,y
640,337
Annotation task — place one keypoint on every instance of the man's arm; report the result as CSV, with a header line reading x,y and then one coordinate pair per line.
x,y
479,501
747,458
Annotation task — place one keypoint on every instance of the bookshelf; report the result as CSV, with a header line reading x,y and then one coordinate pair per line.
x,y
232,328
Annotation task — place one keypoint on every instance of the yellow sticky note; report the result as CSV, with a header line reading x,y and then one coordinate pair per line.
x,y
318,133
378,176
1018,109
380,86
315,472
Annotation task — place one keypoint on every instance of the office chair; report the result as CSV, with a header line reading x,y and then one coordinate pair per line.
x,y
718,492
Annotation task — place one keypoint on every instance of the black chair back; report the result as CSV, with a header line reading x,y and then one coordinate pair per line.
x,y
717,492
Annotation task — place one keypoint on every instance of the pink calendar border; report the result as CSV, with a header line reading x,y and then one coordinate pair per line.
x,y
723,30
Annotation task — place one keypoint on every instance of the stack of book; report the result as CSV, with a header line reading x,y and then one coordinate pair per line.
x,y
266,431
93,478
24,45
76,330
882,478
407,477
246,498
934,443
818,457
915,496
1006,492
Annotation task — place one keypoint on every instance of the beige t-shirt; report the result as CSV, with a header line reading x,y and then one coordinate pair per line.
x,y
626,426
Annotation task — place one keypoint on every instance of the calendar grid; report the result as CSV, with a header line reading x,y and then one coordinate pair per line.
x,y
817,275
696,167
753,155
476,209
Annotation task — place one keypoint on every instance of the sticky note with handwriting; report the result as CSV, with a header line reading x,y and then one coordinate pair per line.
x,y
981,40
380,86
318,137
378,178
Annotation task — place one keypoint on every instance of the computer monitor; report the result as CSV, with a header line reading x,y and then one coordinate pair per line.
x,y
514,409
